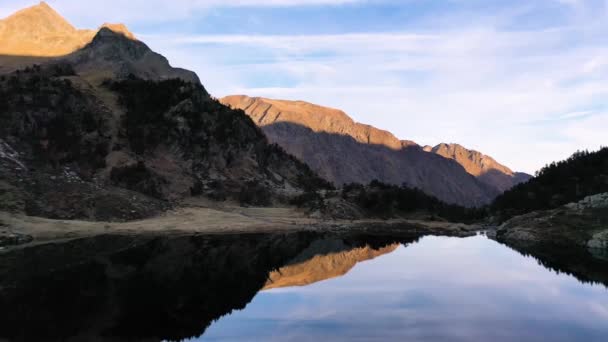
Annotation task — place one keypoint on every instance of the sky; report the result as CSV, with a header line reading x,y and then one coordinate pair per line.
x,y
525,82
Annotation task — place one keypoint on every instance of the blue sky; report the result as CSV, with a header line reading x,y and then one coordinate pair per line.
x,y
522,81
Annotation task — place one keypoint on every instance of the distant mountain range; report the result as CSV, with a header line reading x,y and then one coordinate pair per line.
x,y
344,151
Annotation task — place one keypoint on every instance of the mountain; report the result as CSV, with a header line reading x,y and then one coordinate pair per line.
x,y
484,167
39,34
344,151
114,54
111,131
39,31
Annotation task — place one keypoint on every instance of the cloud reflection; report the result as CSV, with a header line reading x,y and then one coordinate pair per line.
x,y
438,289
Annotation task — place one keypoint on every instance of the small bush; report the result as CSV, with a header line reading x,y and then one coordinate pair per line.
x,y
310,199
255,194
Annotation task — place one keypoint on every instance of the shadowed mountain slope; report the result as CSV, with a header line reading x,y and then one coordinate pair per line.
x,y
344,151
343,160
113,54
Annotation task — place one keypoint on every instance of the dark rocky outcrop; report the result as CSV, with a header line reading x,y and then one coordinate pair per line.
x,y
114,54
69,155
583,224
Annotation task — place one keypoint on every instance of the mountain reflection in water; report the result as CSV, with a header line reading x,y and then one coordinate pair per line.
x,y
322,260
124,288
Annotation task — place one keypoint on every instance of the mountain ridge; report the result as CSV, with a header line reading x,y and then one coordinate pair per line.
x,y
111,53
407,157
480,165
39,31
318,118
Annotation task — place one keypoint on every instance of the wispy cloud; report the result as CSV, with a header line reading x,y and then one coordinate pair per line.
x,y
575,115
94,12
474,85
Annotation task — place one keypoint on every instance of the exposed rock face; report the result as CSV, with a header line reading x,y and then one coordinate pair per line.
x,y
344,151
484,167
322,260
599,201
576,225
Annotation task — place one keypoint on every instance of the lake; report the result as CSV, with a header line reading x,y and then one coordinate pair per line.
x,y
438,289
294,287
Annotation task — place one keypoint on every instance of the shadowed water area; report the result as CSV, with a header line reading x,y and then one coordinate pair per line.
x,y
299,287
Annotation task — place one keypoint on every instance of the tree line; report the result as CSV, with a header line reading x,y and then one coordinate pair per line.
x,y
583,174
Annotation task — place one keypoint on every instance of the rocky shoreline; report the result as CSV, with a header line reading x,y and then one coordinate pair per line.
x,y
572,239
583,224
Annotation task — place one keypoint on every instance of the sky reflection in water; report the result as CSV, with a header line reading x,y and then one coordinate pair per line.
x,y
440,289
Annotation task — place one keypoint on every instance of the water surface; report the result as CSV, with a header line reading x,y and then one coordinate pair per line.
x,y
438,289
301,286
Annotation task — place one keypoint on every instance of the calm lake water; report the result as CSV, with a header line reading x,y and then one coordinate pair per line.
x,y
438,289
301,286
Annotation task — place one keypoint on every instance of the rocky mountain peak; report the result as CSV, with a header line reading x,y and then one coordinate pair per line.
x,y
119,28
114,53
39,31
476,163
484,167
39,34
41,18
43,6
116,45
